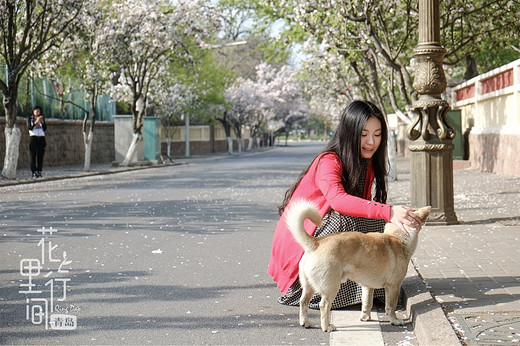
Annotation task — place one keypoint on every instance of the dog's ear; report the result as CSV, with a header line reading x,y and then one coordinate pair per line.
x,y
423,213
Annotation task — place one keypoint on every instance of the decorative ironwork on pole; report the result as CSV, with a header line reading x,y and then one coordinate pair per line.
x,y
432,134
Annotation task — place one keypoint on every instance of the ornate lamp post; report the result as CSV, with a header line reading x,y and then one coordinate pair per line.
x,y
432,148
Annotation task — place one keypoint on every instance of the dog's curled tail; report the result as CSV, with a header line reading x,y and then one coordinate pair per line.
x,y
297,212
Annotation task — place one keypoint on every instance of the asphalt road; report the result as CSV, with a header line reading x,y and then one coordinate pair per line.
x,y
171,255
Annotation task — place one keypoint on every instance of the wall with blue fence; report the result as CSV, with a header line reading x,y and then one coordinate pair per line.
x,y
58,99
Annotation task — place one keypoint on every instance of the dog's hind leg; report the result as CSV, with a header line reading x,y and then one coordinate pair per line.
x,y
305,300
391,298
367,301
325,306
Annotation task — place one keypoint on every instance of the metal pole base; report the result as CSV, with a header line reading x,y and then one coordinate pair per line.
x,y
432,179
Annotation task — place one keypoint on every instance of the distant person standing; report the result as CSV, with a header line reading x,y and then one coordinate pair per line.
x,y
37,128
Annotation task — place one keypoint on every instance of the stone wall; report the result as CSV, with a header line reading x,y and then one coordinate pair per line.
x,y
64,143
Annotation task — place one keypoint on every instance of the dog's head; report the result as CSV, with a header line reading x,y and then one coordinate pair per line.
x,y
423,213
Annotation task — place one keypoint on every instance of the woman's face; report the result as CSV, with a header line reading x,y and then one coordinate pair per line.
x,y
36,112
370,137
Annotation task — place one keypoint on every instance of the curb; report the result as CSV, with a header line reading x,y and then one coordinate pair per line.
x,y
430,324
82,174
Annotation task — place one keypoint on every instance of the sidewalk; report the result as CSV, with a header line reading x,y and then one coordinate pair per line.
x,y
464,278
463,285
24,176
471,269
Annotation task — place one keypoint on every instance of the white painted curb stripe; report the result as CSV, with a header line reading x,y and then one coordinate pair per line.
x,y
352,331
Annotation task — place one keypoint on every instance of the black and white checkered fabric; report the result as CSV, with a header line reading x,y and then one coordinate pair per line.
x,y
349,292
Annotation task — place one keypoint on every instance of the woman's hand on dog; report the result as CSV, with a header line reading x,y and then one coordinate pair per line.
x,y
402,215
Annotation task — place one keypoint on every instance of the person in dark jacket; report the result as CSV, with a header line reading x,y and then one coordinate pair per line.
x,y
37,127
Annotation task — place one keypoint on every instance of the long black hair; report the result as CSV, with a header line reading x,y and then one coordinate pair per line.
x,y
346,144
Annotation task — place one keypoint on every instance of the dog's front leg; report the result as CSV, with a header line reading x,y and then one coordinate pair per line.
x,y
391,297
367,300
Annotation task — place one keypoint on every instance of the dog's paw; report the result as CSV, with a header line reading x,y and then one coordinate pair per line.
x,y
329,328
365,317
306,324
398,322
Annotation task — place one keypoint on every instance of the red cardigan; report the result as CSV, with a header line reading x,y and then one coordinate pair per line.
x,y
322,185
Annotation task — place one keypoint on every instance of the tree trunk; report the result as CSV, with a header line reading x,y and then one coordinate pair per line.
x,y
391,152
230,145
227,129
12,146
131,155
250,144
87,140
138,111
169,147
239,142
238,133
12,132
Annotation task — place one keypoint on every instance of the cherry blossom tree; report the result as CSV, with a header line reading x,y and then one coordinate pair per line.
x,y
90,65
286,94
331,89
225,116
237,101
273,98
329,86
373,40
258,111
171,105
28,30
256,108
143,39
368,45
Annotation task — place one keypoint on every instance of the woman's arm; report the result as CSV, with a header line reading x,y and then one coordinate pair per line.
x,y
328,180
30,124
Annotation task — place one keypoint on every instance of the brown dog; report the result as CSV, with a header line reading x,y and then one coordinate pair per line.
x,y
373,260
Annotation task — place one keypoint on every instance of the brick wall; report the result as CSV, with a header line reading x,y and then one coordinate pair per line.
x,y
178,149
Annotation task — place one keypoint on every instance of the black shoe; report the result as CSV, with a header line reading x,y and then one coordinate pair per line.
x,y
39,174
34,175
